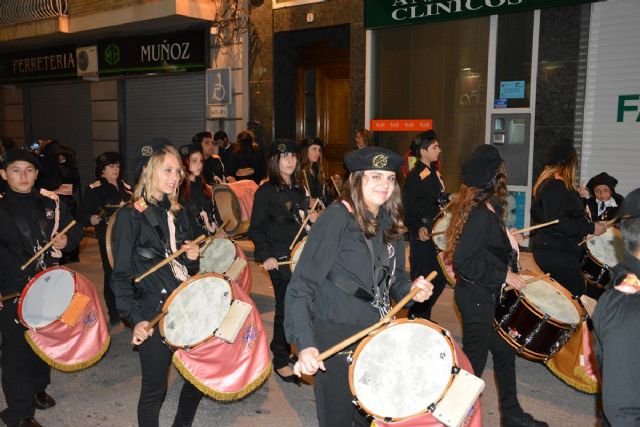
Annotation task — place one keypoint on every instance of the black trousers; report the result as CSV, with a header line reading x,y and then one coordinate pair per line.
x,y
279,345
423,260
563,266
155,359
23,373
477,307
334,401
109,297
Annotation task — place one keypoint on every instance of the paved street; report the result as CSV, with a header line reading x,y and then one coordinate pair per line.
x,y
106,394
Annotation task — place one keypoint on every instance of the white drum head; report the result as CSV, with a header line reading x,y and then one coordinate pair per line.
x,y
297,251
217,256
48,297
196,311
551,301
402,370
440,226
607,248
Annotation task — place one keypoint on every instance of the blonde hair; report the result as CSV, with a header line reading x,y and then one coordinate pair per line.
x,y
566,171
147,187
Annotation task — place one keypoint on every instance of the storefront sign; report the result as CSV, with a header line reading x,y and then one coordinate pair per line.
x,y
400,125
43,64
388,13
174,52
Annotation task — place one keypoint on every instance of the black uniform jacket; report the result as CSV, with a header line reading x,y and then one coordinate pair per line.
x,y
609,212
482,254
421,196
99,199
198,202
275,219
138,247
317,189
615,320
213,166
555,201
28,219
336,251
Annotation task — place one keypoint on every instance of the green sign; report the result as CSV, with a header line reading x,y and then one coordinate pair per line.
x,y
390,13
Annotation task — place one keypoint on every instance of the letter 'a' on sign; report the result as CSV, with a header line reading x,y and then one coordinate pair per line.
x,y
219,88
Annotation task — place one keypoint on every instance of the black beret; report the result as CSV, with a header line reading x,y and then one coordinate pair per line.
x,y
424,140
602,178
559,152
311,140
13,155
145,150
373,158
630,207
482,166
188,149
284,145
108,158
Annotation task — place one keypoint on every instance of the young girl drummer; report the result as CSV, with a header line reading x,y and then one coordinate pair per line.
x,y
312,171
332,294
146,233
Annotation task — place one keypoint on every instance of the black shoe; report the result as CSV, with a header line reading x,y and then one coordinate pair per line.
x,y
28,422
522,420
287,378
44,401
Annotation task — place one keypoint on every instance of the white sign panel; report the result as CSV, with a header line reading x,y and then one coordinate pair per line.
x,y
217,112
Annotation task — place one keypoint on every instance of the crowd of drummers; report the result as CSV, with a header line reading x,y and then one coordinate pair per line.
x,y
334,250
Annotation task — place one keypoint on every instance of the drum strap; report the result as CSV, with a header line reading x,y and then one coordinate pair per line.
x,y
153,221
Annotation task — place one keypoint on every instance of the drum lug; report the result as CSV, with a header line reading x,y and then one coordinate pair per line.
x,y
562,340
455,370
431,408
512,310
535,330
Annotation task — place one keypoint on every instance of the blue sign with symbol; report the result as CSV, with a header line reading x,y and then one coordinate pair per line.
x,y
512,89
219,86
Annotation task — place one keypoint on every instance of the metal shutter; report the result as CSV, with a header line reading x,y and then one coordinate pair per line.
x,y
63,112
613,65
171,107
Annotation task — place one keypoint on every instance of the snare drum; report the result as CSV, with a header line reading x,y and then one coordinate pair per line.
x,y
235,202
603,252
406,369
217,255
440,225
108,240
296,252
538,321
66,325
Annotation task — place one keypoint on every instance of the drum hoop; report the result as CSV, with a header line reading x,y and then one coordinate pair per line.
x,y
436,220
235,205
557,286
296,248
183,285
523,351
363,343
33,280
107,237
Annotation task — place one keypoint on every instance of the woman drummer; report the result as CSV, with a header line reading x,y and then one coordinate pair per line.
x,y
195,193
423,199
557,249
332,294
312,170
279,209
101,199
146,233
484,260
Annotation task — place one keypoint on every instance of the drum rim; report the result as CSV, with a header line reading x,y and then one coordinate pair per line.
x,y
557,286
296,248
176,291
34,279
445,333
441,215
107,237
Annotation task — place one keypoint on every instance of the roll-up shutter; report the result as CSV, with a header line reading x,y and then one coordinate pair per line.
x,y
170,107
63,112
611,143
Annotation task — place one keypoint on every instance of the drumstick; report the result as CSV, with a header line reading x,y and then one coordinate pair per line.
x,y
286,262
155,320
168,260
437,233
535,227
333,180
10,296
607,224
48,245
530,280
306,219
386,319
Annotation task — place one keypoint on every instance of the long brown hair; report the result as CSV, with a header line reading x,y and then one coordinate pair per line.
x,y
352,194
567,171
275,177
185,186
468,197
311,168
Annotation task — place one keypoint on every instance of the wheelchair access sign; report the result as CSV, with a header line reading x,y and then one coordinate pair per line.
x,y
219,86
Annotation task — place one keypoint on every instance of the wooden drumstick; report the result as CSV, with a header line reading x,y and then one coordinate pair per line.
x,y
333,180
386,319
607,224
10,296
286,262
48,245
166,261
529,280
306,219
535,227
437,233
155,320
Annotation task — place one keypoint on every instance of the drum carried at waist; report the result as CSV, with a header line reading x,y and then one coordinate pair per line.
x,y
410,370
218,337
296,252
109,236
235,202
538,321
223,256
66,325
603,252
